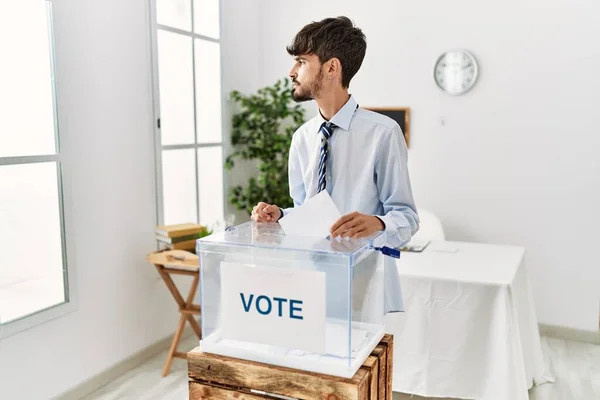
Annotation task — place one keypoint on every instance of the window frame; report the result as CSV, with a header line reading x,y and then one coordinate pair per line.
x,y
70,302
159,148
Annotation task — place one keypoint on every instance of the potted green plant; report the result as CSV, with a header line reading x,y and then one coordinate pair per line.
x,y
262,130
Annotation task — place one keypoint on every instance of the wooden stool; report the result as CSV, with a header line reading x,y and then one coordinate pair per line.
x,y
179,262
218,377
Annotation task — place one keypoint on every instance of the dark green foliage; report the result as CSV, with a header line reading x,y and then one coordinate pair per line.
x,y
262,130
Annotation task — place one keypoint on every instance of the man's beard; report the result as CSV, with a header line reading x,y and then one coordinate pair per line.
x,y
311,90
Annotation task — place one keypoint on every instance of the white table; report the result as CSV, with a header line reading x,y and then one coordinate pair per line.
x,y
470,329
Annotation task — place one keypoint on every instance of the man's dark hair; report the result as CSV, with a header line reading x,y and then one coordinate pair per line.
x,y
329,38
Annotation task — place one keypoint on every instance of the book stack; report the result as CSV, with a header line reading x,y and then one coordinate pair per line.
x,y
179,236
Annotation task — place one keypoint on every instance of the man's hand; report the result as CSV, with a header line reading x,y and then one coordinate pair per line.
x,y
356,225
263,212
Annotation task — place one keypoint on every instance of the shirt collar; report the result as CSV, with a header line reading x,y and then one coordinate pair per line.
x,y
344,116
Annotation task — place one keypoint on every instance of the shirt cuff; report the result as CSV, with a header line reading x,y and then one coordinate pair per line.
x,y
285,211
391,230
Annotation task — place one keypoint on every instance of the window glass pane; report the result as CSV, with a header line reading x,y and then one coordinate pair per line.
x,y
175,76
210,184
174,13
26,80
179,186
208,91
206,18
31,272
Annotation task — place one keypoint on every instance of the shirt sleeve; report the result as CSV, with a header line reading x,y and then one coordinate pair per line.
x,y
395,193
296,183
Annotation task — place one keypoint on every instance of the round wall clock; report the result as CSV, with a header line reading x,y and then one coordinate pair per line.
x,y
456,71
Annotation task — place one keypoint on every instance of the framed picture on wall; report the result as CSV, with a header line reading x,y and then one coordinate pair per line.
x,y
399,114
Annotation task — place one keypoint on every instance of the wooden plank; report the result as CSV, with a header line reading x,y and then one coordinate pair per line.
x,y
202,391
371,364
388,340
174,258
190,311
363,388
180,272
232,372
380,353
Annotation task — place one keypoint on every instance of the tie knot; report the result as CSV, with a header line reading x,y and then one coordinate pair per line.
x,y
327,129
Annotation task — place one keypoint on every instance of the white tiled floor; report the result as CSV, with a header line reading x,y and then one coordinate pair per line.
x,y
146,381
576,367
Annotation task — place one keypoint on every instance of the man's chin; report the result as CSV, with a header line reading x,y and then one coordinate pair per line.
x,y
299,98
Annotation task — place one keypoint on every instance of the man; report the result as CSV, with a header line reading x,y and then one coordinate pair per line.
x,y
358,156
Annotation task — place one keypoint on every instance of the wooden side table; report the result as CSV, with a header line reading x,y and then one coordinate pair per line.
x,y
179,262
218,377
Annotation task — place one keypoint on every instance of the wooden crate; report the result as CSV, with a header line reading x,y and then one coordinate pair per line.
x,y
218,377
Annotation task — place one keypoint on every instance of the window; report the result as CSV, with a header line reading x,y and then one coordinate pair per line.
x,y
33,265
188,103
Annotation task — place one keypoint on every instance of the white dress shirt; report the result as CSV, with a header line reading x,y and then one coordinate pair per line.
x,y
366,172
366,168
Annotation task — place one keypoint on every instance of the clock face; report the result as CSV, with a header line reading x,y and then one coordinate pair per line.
x,y
456,71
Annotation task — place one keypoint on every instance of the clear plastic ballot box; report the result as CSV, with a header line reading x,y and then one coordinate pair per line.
x,y
315,304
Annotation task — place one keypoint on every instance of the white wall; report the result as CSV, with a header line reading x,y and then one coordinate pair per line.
x,y
241,51
516,161
104,97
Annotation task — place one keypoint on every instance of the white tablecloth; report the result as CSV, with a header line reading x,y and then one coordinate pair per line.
x,y
470,329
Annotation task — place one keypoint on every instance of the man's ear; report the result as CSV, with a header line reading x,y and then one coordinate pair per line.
x,y
334,69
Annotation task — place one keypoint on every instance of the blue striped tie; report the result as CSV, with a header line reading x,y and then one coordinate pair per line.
x,y
326,132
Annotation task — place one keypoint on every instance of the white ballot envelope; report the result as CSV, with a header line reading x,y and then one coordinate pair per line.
x,y
314,218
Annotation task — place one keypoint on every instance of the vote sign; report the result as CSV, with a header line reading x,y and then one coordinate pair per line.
x,y
274,306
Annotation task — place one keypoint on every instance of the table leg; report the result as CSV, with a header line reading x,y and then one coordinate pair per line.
x,y
187,310
171,286
189,307
174,344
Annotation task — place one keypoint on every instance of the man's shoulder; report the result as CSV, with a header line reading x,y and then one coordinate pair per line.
x,y
377,120
380,128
